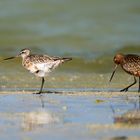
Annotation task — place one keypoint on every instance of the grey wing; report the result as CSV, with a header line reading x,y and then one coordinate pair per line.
x,y
45,62
40,58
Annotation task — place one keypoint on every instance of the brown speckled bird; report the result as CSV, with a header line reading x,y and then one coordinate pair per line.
x,y
40,65
130,63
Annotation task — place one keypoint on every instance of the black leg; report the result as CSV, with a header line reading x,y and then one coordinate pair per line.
x,y
40,91
139,91
126,89
139,85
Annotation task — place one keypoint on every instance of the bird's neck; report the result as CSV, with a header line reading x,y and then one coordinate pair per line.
x,y
24,57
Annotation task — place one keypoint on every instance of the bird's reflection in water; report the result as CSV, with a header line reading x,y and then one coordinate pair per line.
x,y
42,101
37,119
130,117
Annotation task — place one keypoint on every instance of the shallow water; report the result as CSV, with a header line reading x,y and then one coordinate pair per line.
x,y
65,116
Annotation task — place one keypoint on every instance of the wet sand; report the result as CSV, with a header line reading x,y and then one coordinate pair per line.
x,y
72,91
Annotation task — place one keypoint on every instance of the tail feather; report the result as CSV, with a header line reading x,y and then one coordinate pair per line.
x,y
66,59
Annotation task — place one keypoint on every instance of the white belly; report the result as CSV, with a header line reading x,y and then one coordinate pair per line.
x,y
43,69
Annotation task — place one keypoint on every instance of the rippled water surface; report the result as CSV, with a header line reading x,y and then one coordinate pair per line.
x,y
90,31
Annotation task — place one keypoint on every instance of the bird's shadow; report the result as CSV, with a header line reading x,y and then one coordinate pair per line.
x,y
50,92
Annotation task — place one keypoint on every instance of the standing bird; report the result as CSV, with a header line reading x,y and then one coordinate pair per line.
x,y
40,65
130,63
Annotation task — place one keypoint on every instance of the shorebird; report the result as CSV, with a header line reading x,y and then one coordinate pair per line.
x,y
39,65
130,63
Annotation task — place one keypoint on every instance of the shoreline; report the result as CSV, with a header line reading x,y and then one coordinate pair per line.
x,y
70,91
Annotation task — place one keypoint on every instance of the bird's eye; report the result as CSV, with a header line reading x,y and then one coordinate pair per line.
x,y
21,52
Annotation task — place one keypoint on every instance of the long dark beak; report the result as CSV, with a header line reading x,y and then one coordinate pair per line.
x,y
10,58
113,73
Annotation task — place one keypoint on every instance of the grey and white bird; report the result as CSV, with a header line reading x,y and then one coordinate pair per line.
x,y
39,65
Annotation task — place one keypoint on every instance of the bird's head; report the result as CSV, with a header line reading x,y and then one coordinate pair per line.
x,y
24,53
118,59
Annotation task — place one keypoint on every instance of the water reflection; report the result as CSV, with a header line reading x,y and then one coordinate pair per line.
x,y
42,101
36,119
119,138
130,117
84,116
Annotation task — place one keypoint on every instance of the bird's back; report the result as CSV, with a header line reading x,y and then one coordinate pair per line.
x,y
131,64
46,59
